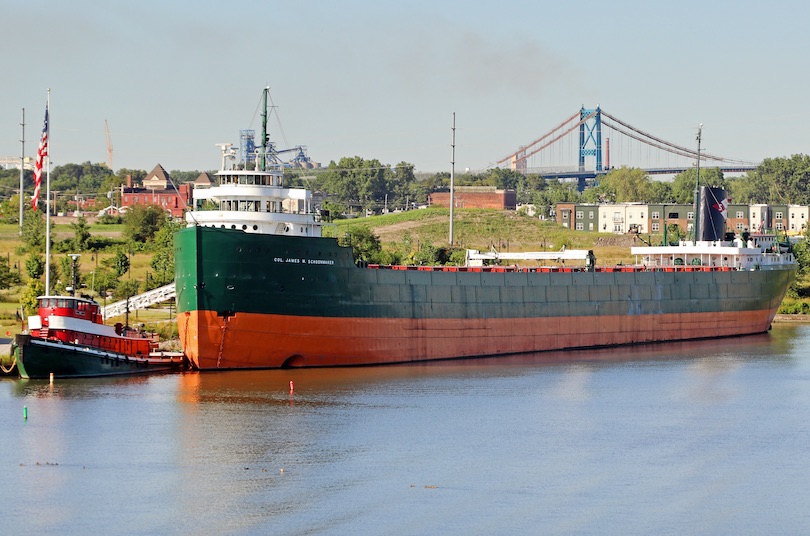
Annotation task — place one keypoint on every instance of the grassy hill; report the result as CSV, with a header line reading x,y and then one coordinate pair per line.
x,y
483,229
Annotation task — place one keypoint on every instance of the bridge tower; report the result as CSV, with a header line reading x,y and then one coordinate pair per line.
x,y
590,137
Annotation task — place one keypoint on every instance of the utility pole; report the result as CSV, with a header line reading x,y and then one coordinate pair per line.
x,y
452,176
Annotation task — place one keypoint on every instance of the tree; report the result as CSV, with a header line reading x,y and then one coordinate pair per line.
x,y
365,244
126,288
34,266
81,234
8,277
624,185
141,222
163,259
683,185
33,233
787,179
118,263
28,298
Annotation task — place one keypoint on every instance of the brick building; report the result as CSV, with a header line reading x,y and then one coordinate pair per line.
x,y
158,189
476,197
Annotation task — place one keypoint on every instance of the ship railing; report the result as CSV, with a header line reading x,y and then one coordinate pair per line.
x,y
555,269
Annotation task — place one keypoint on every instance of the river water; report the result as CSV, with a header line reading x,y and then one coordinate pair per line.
x,y
709,437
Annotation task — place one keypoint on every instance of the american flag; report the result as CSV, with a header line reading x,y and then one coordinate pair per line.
x,y
42,152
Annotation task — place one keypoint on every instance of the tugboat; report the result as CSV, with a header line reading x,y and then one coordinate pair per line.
x,y
68,339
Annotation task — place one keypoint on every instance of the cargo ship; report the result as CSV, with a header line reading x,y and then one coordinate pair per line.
x,y
260,286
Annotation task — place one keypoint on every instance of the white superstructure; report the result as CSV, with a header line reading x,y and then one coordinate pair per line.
x,y
254,201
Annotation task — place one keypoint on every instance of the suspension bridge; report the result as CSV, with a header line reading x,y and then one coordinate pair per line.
x,y
594,138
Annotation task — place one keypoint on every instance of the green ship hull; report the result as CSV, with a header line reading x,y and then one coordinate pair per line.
x,y
249,300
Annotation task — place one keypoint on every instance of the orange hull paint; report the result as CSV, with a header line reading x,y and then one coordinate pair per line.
x,y
249,340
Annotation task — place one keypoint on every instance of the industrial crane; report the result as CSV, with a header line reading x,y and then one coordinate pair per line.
x,y
109,144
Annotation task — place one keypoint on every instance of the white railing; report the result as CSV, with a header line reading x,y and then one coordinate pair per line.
x,y
141,301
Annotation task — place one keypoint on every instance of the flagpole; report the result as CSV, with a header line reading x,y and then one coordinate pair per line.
x,y
48,206
22,170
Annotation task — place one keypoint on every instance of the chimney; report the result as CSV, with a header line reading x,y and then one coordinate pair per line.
x,y
129,181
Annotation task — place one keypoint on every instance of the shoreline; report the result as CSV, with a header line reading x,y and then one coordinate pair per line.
x,y
792,318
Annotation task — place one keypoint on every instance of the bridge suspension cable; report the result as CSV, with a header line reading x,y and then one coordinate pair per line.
x,y
522,151
601,118
664,145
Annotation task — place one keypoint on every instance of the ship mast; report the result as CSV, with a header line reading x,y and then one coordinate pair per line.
x,y
697,186
264,128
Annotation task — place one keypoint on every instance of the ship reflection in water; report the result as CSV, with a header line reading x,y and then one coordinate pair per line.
x,y
694,437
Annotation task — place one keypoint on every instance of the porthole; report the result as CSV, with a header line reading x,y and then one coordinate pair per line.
x,y
244,227
255,227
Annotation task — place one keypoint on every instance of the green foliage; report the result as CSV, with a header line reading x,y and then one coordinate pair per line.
x,y
365,244
367,184
81,234
801,252
118,263
109,219
333,211
10,208
625,185
683,185
28,298
126,288
163,259
785,179
8,277
794,306
102,280
33,232
75,178
427,255
34,266
141,222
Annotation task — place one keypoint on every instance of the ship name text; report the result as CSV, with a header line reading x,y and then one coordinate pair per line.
x,y
296,260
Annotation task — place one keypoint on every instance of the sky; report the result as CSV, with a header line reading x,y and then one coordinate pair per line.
x,y
382,79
